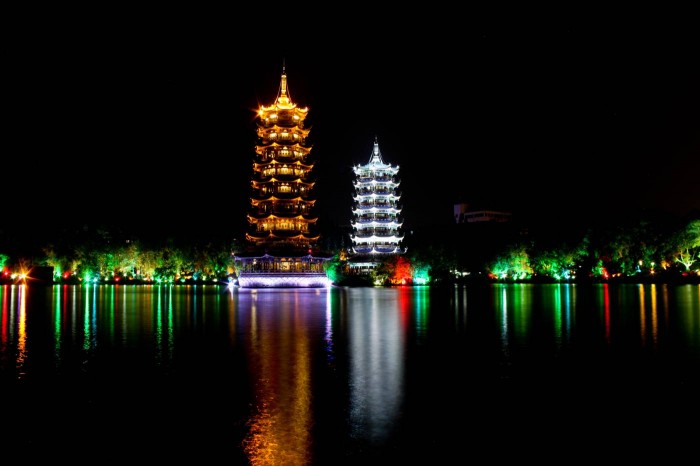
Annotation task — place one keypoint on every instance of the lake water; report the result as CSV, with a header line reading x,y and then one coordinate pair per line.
x,y
470,374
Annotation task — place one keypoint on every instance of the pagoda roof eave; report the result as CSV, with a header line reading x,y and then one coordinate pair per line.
x,y
283,254
275,217
277,162
283,107
277,180
274,198
276,127
277,144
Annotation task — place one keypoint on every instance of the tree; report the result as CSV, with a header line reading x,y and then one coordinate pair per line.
x,y
686,245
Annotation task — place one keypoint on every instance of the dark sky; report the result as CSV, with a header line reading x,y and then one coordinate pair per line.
x,y
150,126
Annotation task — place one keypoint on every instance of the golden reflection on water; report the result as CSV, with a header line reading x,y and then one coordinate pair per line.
x,y
22,329
279,357
649,318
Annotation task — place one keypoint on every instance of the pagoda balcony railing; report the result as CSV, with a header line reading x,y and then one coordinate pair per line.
x,y
389,249
283,137
379,205
370,219
378,192
379,179
366,229
379,249
367,211
290,212
361,234
283,191
284,171
371,182
367,199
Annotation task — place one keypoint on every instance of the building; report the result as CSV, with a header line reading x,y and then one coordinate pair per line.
x,y
463,214
479,235
376,225
281,239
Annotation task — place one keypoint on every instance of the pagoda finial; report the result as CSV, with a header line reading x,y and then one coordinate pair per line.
x,y
283,98
376,155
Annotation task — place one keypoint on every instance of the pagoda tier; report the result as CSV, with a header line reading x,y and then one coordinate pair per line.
x,y
374,203
376,224
271,132
286,204
279,169
300,223
281,189
282,151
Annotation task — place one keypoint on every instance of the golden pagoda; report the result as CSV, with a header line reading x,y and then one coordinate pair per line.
x,y
282,221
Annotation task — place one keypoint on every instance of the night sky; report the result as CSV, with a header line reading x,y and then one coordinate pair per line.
x,y
151,127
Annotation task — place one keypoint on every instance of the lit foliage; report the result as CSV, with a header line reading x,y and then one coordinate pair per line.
x,y
685,245
433,265
633,250
403,272
421,274
335,268
394,270
636,252
95,262
559,264
514,265
599,270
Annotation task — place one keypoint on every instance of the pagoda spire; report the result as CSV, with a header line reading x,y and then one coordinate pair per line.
x,y
283,98
376,154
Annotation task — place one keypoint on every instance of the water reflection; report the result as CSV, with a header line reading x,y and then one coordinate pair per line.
x,y
604,305
377,327
13,332
292,376
513,307
281,326
21,329
688,305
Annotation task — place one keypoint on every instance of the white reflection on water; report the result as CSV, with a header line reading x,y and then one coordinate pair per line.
x,y
377,349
